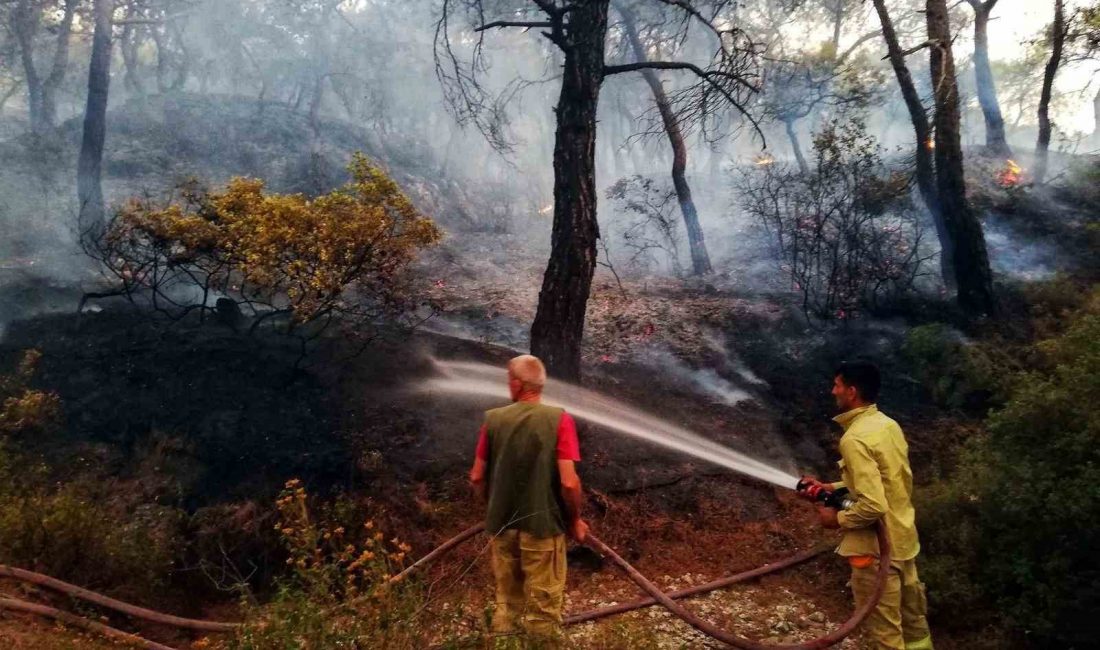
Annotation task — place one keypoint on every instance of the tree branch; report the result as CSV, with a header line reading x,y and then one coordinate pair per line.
x,y
609,70
513,23
918,48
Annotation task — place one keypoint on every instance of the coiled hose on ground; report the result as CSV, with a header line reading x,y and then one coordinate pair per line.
x,y
667,600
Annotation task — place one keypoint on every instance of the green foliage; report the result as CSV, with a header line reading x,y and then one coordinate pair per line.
x,y
1012,533
72,531
955,373
1043,496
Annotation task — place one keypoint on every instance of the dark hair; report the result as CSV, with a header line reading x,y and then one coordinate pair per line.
x,y
863,375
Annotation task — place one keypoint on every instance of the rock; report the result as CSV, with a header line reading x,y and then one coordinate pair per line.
x,y
817,617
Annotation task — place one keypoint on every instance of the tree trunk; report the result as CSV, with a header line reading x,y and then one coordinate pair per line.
x,y
89,167
972,272
42,93
925,169
1057,37
792,135
128,46
559,323
700,259
995,141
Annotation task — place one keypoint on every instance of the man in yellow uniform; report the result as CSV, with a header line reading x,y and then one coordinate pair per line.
x,y
874,467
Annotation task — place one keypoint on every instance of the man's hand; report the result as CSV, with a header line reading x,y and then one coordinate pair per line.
x,y
578,530
827,517
812,488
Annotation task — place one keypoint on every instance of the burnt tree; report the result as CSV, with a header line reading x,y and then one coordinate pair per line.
x,y
579,30
89,166
700,259
1057,43
42,92
995,141
972,272
922,129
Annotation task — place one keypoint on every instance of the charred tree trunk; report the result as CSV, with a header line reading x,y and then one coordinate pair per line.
x,y
700,259
89,167
792,135
925,167
972,272
42,93
1057,40
559,323
995,140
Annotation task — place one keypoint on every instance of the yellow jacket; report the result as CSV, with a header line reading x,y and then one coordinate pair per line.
x,y
874,467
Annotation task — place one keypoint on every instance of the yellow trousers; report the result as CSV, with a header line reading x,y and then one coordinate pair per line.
x,y
899,621
530,583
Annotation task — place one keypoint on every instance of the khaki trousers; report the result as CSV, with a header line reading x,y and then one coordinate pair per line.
x,y
530,584
899,621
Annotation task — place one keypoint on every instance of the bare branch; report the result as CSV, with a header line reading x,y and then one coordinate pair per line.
x,y
917,48
513,23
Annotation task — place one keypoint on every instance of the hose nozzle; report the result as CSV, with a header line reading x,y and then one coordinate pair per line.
x,y
838,499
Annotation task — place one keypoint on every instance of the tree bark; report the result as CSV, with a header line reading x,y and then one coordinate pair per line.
x,y
559,322
700,259
89,166
1057,37
972,272
42,93
922,129
995,140
792,135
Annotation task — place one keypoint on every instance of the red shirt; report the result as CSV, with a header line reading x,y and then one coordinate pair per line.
x,y
569,448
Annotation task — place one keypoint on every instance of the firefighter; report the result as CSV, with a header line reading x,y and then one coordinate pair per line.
x,y
524,469
874,466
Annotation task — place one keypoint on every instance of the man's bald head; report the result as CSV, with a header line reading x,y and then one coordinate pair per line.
x,y
526,375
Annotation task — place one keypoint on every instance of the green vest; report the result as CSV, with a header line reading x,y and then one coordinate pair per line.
x,y
523,469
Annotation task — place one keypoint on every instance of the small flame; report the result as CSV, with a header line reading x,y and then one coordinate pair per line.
x,y
1010,174
763,160
931,144
547,209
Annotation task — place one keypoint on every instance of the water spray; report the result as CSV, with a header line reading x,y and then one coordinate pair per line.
x,y
471,378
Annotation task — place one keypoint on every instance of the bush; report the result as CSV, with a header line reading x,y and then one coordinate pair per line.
x,y
649,223
302,261
73,531
24,410
337,594
1042,501
956,374
1012,533
847,234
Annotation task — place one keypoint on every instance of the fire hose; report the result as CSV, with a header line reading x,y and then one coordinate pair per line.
x,y
656,596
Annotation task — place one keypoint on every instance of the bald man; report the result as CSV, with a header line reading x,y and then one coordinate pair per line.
x,y
525,471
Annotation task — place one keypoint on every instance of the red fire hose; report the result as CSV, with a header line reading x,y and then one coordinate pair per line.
x,y
668,601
